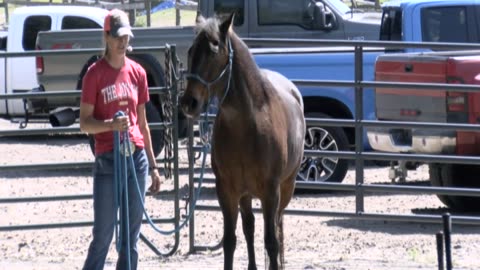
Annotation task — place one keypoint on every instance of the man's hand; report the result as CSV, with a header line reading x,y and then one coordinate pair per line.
x,y
120,123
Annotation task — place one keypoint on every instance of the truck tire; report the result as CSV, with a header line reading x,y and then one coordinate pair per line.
x,y
154,111
324,169
459,176
156,77
153,116
157,135
435,171
84,70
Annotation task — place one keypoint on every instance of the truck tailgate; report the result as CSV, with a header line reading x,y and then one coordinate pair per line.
x,y
410,104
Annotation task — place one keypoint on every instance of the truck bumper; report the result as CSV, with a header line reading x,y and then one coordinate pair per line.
x,y
412,140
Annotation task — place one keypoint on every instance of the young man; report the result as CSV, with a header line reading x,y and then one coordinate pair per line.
x,y
116,83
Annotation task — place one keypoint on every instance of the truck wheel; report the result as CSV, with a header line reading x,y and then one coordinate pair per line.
x,y
324,169
456,175
157,135
435,171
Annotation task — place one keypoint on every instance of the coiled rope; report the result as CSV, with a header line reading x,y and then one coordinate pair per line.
x,y
122,164
122,219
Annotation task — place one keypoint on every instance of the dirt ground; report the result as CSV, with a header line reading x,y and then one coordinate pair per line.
x,y
310,242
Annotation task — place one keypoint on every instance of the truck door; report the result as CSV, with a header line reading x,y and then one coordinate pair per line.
x,y
294,19
21,71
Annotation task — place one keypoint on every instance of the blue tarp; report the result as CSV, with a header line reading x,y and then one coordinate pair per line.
x,y
164,5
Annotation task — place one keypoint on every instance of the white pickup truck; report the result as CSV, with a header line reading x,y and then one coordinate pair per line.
x,y
19,74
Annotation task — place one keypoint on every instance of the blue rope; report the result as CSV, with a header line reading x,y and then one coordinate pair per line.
x,y
120,163
121,191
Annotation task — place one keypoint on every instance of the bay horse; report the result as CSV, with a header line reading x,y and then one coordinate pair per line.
x,y
258,134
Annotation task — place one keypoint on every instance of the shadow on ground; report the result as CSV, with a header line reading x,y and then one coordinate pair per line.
x,y
399,228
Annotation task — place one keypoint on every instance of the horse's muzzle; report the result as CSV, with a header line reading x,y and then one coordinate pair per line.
x,y
190,106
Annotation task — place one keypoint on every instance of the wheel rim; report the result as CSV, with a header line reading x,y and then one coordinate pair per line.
x,y
318,169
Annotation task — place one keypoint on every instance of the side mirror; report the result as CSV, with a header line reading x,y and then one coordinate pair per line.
x,y
322,18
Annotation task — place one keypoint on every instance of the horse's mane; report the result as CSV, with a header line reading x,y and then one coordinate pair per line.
x,y
207,25
210,27
243,63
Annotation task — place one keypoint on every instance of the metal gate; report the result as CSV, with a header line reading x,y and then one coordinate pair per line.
x,y
169,93
360,188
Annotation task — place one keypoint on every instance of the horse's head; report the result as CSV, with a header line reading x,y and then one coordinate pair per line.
x,y
209,64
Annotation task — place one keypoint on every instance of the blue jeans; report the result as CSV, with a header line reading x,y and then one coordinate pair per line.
x,y
104,210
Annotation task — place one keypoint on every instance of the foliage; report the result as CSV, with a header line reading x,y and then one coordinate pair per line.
x,y
167,18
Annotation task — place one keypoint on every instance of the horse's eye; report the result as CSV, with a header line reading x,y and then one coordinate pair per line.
x,y
213,46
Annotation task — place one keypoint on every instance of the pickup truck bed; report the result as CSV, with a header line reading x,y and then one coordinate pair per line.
x,y
437,105
425,105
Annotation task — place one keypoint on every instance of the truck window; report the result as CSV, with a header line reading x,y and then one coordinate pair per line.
x,y
444,24
3,43
227,7
292,12
74,22
391,28
31,27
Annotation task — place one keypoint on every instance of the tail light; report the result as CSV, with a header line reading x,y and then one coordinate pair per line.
x,y
39,62
456,102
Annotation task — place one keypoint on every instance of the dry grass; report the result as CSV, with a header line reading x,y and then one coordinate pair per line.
x,y
167,18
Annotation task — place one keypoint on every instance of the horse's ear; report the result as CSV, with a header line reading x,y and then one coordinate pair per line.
x,y
199,23
200,19
227,24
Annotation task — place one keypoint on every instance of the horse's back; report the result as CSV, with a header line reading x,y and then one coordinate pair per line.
x,y
293,109
291,98
285,87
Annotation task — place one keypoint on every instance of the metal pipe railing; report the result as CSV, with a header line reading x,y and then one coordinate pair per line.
x,y
88,165
358,123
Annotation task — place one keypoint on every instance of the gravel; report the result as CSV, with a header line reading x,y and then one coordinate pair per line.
x,y
310,242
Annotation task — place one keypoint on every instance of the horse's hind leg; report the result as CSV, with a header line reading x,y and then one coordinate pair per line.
x,y
229,206
286,192
248,224
270,208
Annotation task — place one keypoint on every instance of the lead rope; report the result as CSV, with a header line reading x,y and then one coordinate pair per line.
x,y
122,162
122,218
121,175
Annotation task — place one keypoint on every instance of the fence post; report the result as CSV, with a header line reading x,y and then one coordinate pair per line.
x,y
5,4
177,13
447,230
148,10
359,162
439,238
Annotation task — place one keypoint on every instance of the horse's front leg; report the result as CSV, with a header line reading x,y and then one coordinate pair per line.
x,y
229,206
248,224
270,207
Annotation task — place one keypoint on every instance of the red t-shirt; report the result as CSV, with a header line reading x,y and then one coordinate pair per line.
x,y
111,90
